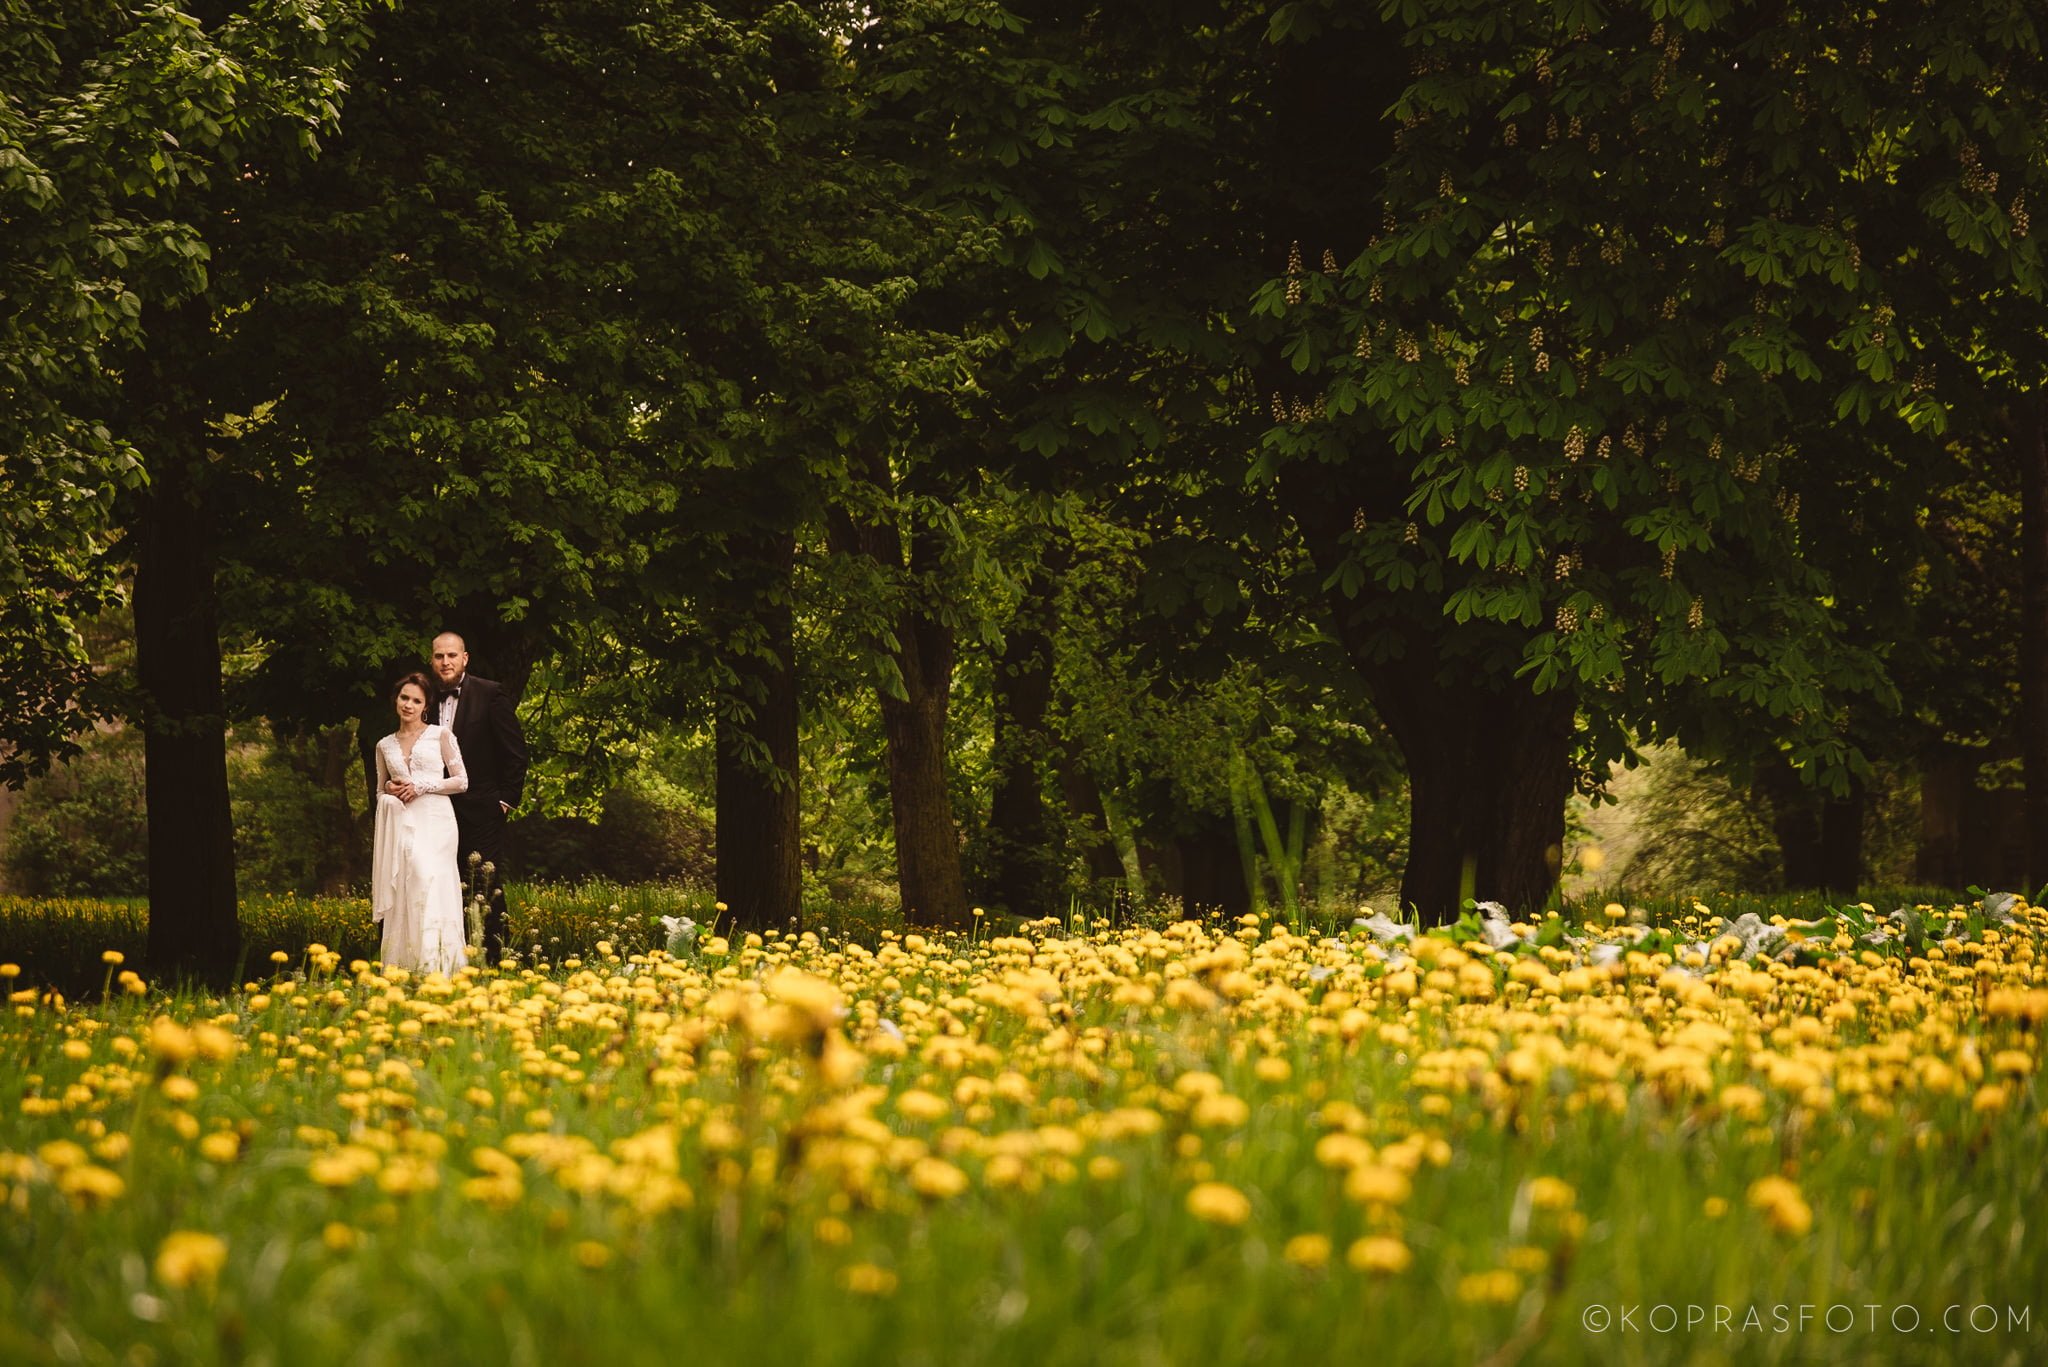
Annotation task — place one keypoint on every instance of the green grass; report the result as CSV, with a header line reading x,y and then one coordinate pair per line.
x,y
57,942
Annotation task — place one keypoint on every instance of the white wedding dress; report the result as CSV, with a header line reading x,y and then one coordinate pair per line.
x,y
415,880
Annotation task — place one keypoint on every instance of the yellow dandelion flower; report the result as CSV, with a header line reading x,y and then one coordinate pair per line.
x,y
1378,1185
1551,1193
1381,1254
61,1154
918,1104
937,1179
1341,1149
1307,1250
1782,1204
190,1258
866,1279
171,1041
214,1044
407,1173
1219,1203
90,1185
1499,1286
591,1254
1742,1100
1006,1170
814,998
343,1166
1220,1111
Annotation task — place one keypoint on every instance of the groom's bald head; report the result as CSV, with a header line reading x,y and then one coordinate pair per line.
x,y
451,657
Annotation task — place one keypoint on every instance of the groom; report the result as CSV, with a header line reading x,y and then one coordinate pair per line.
x,y
486,728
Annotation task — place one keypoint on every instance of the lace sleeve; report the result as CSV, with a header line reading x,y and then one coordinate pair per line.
x,y
457,780
383,768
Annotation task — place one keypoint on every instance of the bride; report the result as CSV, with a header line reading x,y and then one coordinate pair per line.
x,y
415,882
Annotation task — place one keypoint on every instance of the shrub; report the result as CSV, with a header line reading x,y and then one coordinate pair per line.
x,y
83,830
649,832
294,831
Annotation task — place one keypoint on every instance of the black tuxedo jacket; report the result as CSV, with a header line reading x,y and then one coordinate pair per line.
x,y
493,746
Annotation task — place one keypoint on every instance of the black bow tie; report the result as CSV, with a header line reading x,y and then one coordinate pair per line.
x,y
445,694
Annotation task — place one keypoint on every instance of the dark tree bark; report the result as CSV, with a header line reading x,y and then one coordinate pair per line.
x,y
927,844
1841,839
1489,762
1819,833
352,866
1021,860
194,927
1159,863
758,849
928,864
1489,772
2031,449
1083,796
1212,868
1944,781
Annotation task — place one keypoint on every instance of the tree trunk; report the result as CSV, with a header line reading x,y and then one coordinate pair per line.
x,y
1489,762
1489,773
2031,448
1022,862
194,928
1083,796
1944,779
1212,868
1819,834
352,865
1795,820
1841,840
1159,865
758,850
927,844
928,864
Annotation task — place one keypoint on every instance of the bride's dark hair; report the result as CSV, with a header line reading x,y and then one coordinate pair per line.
x,y
420,680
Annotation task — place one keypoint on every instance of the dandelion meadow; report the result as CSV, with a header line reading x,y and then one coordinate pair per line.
x,y
1543,1141
859,478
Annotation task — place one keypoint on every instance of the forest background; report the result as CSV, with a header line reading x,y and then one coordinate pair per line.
x,y
956,455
